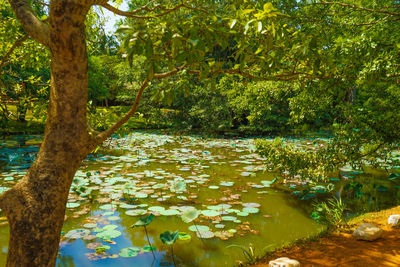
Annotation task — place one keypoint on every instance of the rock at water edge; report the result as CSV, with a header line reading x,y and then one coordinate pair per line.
x,y
284,262
394,220
368,232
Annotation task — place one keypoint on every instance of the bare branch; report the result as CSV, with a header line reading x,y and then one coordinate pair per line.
x,y
104,135
360,8
133,14
36,28
17,43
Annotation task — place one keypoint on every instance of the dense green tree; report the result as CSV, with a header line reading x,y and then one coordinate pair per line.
x,y
174,37
353,44
344,53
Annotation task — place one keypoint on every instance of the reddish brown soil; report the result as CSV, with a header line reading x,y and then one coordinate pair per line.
x,y
341,249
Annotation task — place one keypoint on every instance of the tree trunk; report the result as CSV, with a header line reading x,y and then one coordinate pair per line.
x,y
35,206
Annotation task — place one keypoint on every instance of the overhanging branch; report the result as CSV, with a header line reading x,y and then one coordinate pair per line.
x,y
104,135
34,27
17,43
360,8
133,14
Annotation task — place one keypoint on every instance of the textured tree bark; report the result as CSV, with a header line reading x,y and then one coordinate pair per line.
x,y
35,206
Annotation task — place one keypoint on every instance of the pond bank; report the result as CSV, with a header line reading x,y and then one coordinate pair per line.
x,y
341,249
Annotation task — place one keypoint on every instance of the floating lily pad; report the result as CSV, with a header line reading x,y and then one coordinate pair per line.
x,y
129,252
251,210
107,207
228,218
127,206
169,212
90,225
136,212
205,234
156,208
108,234
213,187
199,228
184,236
148,249
113,218
110,227
72,205
251,205
210,213
77,233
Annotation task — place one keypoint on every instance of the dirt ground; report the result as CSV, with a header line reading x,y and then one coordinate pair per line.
x,y
341,249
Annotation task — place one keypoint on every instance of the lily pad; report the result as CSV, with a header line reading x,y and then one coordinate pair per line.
x,y
199,228
210,213
72,205
108,234
228,218
251,205
113,218
169,212
107,207
136,212
156,208
129,252
77,233
90,225
251,210
205,234
148,249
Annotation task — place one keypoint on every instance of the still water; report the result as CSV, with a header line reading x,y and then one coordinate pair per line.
x,y
147,173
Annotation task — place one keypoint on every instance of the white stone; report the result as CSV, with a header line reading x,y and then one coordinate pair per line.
x,y
394,220
284,262
368,232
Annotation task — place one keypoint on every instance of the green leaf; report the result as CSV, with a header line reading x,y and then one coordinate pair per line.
x,y
149,48
129,252
169,237
184,236
144,221
268,7
233,23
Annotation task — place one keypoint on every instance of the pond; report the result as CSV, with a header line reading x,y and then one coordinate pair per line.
x,y
164,175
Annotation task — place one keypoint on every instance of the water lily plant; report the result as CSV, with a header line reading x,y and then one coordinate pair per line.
x,y
178,186
144,221
189,215
169,238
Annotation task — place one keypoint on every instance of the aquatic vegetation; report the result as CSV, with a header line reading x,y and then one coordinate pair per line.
x,y
143,222
169,238
331,213
189,214
210,198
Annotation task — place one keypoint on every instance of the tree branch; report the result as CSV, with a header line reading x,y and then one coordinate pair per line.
x,y
280,77
17,43
169,73
36,28
133,14
362,8
107,133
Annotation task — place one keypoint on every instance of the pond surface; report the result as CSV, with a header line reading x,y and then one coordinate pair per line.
x,y
164,175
